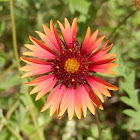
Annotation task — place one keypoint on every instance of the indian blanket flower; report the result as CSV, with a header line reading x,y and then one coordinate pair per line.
x,y
67,69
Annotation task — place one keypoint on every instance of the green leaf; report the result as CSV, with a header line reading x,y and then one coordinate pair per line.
x,y
5,134
106,134
132,100
129,112
90,138
3,0
27,127
81,6
94,131
135,120
128,84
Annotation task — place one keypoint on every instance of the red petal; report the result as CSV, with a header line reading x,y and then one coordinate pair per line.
x,y
39,79
105,71
104,61
64,102
56,35
86,40
34,61
88,101
77,104
94,98
47,87
91,58
71,104
83,102
108,85
47,41
94,45
58,89
39,43
74,28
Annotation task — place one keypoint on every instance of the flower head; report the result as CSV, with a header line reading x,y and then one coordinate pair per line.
x,y
137,4
69,69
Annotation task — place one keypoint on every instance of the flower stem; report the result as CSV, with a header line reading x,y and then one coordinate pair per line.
x,y
98,125
28,99
121,23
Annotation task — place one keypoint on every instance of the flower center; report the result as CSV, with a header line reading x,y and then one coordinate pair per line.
x,y
71,68
71,65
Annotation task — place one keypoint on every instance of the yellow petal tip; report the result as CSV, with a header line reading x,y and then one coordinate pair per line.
x,y
37,98
42,110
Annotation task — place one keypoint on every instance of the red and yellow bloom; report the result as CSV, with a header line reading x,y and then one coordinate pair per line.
x,y
69,69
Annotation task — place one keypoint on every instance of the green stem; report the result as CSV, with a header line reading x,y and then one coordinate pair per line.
x,y
98,125
14,33
121,23
12,109
28,99
17,135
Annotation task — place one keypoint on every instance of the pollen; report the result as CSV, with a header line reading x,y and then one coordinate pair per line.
x,y
71,65
73,80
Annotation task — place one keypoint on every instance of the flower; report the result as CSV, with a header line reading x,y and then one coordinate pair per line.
x,y
69,68
137,4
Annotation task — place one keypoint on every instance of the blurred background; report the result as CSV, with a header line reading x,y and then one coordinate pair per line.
x,y
20,117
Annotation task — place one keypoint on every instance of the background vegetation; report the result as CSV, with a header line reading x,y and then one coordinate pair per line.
x,y
20,116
